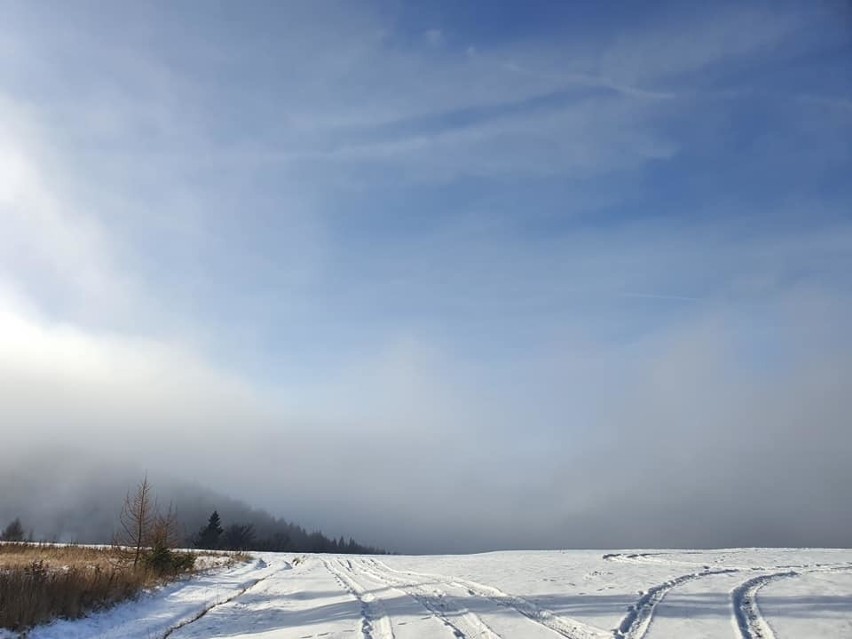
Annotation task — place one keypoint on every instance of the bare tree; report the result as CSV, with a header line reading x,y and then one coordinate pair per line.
x,y
138,515
165,532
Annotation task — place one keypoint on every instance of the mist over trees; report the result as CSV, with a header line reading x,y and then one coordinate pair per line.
x,y
14,531
278,536
74,502
240,527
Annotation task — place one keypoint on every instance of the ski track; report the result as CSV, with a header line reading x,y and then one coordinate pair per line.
x,y
637,621
375,623
564,626
462,622
749,621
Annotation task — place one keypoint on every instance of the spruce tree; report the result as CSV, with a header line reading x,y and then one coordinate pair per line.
x,y
208,537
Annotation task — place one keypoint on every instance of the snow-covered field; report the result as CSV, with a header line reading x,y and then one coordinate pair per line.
x,y
741,593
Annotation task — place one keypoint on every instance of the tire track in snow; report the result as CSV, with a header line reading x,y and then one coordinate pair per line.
x,y
392,588
375,623
750,622
251,584
639,616
463,623
569,628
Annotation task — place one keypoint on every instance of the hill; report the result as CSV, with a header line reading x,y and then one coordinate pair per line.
x,y
72,499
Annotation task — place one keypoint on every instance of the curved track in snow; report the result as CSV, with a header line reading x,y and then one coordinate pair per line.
x,y
204,612
564,626
464,623
252,584
746,613
750,622
637,621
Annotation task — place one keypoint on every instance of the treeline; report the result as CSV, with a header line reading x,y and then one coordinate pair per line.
x,y
194,510
240,522
15,532
286,538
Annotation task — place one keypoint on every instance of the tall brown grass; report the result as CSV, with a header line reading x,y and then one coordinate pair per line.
x,y
42,582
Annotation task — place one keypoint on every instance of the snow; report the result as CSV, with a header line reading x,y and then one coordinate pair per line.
x,y
158,613
738,593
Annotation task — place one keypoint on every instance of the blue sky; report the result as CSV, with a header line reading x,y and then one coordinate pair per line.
x,y
394,224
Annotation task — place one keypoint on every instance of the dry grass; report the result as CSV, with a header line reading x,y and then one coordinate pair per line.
x,y
42,582
18,555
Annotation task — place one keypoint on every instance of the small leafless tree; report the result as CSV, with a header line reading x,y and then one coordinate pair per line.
x,y
165,532
137,519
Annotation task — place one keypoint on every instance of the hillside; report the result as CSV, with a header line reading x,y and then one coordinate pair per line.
x,y
73,499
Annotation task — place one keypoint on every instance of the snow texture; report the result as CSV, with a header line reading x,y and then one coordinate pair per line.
x,y
737,593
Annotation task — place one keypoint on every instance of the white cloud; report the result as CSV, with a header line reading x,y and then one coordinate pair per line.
x,y
675,50
46,245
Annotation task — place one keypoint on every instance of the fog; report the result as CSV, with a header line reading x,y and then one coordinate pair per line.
x,y
684,439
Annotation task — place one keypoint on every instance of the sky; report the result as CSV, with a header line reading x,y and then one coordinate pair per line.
x,y
445,276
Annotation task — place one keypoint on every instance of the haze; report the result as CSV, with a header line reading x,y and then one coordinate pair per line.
x,y
442,276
